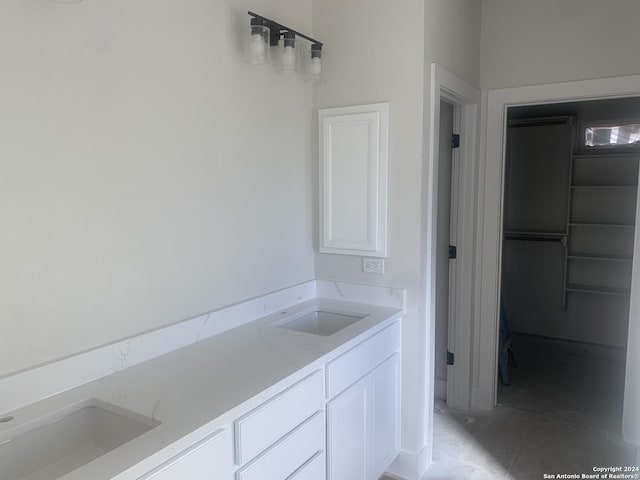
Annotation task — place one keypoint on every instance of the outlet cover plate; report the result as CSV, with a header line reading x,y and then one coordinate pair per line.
x,y
373,265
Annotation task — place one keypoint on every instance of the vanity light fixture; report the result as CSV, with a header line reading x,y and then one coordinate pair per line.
x,y
266,33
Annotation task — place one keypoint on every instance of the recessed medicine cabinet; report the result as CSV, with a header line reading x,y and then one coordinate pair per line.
x,y
353,144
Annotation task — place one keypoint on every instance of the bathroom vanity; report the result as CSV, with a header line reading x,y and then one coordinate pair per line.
x,y
307,392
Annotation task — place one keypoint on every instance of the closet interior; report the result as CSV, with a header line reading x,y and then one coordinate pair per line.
x,y
571,188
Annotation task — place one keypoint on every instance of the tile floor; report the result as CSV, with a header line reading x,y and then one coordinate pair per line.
x,y
561,415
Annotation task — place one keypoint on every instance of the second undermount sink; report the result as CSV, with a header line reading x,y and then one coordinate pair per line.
x,y
318,321
51,446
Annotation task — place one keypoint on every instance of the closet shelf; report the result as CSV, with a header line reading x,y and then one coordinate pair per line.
x,y
599,257
601,224
634,155
598,289
604,187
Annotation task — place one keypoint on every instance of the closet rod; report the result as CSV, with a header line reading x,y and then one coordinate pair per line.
x,y
534,237
541,121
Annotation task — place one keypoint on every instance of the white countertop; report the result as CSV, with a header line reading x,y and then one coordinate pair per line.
x,y
201,387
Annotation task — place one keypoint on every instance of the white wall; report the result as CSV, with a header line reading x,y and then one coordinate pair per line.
x,y
547,41
378,52
146,173
452,34
366,67
452,37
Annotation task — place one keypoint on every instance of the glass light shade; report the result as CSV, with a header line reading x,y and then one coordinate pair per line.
x,y
257,49
288,56
313,65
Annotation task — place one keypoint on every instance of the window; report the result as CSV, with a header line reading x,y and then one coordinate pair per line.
x,y
612,135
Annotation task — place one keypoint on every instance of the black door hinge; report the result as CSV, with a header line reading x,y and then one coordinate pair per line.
x,y
455,141
450,358
453,251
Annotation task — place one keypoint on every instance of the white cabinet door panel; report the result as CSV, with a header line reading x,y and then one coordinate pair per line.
x,y
347,433
353,172
384,387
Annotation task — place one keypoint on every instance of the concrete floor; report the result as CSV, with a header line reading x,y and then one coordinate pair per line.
x,y
561,415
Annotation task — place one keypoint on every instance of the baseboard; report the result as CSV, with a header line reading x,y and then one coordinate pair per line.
x,y
409,465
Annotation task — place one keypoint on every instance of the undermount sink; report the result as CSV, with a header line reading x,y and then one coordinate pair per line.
x,y
53,445
323,322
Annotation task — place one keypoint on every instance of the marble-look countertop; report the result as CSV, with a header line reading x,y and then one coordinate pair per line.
x,y
199,388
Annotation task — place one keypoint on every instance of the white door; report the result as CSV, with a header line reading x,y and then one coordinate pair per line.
x,y
347,418
445,274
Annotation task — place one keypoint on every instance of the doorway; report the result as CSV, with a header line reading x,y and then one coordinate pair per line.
x,y
465,99
567,251
490,237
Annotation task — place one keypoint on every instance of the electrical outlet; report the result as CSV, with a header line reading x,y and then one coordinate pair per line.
x,y
373,265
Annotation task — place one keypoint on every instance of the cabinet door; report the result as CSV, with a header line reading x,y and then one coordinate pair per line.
x,y
353,175
347,433
384,387
210,458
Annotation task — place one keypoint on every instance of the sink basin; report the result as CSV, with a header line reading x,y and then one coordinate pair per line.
x,y
54,445
319,321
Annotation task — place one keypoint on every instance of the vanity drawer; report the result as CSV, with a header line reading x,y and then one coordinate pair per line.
x,y
266,424
314,469
360,360
288,456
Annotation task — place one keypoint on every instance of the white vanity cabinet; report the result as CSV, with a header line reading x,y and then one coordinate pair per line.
x,y
208,459
363,419
340,422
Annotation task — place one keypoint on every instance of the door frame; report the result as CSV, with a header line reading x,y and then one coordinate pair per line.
x,y
490,201
466,100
